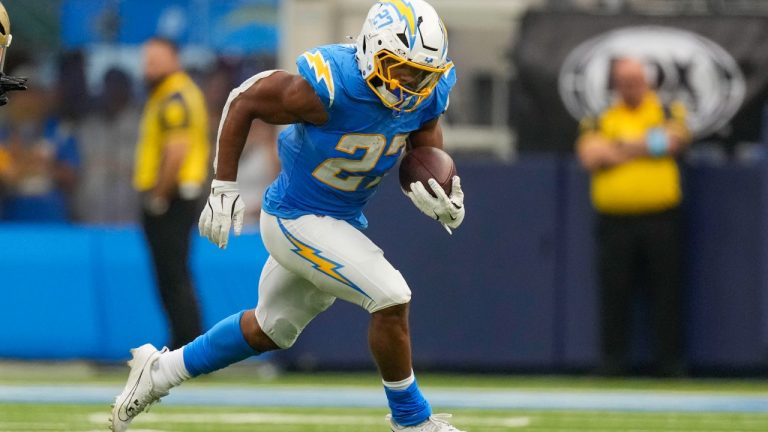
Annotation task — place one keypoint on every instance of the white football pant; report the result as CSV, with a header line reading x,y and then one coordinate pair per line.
x,y
314,260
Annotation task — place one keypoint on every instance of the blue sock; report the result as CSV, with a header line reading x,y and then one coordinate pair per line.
x,y
219,347
408,406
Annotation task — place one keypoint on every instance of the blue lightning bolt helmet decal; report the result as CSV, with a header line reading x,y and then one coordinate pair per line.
x,y
408,14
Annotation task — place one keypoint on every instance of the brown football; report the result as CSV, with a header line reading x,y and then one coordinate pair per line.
x,y
424,163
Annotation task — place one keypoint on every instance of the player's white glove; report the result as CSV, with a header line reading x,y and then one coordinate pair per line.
x,y
224,209
447,210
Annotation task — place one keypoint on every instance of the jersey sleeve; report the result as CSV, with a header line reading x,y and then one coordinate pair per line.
x,y
441,99
174,114
315,67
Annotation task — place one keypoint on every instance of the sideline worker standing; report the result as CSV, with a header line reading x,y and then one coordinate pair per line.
x,y
171,166
629,150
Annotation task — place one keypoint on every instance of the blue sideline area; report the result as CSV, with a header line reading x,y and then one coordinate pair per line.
x,y
514,288
87,292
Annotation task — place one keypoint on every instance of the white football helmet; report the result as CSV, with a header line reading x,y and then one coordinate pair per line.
x,y
402,51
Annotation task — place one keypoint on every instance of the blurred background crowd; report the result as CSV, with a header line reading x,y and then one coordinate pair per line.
x,y
68,143
528,72
83,59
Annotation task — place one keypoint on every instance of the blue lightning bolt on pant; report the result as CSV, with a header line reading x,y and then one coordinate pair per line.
x,y
313,261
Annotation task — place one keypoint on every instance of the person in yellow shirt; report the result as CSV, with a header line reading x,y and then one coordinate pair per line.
x,y
170,168
630,150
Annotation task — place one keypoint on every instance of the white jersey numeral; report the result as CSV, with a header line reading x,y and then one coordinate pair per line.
x,y
330,171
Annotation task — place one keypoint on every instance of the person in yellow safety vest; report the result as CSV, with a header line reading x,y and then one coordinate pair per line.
x,y
630,151
172,163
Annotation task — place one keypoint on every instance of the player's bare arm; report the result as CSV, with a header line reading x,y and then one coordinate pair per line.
x,y
280,98
430,134
275,97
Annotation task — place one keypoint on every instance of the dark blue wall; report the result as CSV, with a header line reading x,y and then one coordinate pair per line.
x,y
481,297
513,288
727,263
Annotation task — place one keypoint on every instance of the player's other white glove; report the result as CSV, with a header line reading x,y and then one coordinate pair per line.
x,y
448,210
223,210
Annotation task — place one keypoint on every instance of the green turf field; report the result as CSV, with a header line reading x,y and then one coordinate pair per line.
x,y
80,417
15,417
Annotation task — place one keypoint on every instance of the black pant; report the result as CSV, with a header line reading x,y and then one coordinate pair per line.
x,y
640,252
168,236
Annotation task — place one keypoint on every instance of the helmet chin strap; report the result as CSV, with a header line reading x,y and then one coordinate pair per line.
x,y
394,99
388,95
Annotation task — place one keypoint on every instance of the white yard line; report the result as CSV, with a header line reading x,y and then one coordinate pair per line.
x,y
298,419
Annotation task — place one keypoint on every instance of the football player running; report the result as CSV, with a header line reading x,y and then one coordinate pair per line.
x,y
352,109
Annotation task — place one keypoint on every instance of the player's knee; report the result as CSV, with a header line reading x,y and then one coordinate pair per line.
x,y
282,332
399,311
403,297
391,318
398,296
254,335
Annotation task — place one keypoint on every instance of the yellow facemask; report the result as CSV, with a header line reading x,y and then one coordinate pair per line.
x,y
402,80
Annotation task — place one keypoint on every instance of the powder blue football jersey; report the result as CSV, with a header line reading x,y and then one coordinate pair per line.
x,y
334,169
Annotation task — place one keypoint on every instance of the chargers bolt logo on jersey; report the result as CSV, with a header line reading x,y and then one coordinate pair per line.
x,y
322,71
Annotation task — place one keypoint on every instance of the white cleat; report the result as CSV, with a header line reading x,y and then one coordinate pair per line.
x,y
138,393
435,423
